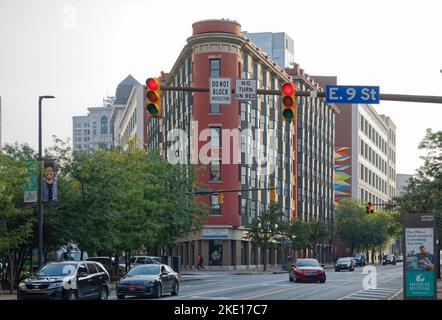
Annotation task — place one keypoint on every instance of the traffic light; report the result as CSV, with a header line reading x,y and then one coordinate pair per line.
x,y
153,97
288,102
273,195
220,198
369,208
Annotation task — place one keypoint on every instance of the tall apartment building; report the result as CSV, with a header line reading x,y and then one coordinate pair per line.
x,y
217,48
279,46
315,155
365,153
92,131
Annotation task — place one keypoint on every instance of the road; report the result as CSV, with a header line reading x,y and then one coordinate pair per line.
x,y
339,286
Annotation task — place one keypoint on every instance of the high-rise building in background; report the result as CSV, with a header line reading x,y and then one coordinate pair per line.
x,y
103,126
279,46
401,182
92,131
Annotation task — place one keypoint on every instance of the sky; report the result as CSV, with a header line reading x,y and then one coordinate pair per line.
x,y
79,50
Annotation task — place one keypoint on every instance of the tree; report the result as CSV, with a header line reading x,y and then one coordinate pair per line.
x,y
349,224
264,230
423,191
16,218
317,234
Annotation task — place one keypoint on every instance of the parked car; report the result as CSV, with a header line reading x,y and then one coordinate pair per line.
x,y
347,263
360,259
67,280
307,269
390,259
139,260
107,262
400,259
148,279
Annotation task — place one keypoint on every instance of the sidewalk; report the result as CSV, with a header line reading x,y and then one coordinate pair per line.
x,y
439,292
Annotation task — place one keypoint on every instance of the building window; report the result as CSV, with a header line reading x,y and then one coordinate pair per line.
x,y
214,205
215,137
215,72
215,170
103,125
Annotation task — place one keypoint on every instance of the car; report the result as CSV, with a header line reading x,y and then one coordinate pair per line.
x,y
70,280
107,262
360,259
389,259
400,259
347,263
148,280
307,269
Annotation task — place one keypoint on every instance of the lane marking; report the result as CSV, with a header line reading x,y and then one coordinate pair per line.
x,y
268,293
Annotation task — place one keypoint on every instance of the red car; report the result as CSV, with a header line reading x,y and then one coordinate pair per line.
x,y
307,269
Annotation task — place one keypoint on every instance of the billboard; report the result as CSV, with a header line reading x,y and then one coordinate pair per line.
x,y
30,190
419,259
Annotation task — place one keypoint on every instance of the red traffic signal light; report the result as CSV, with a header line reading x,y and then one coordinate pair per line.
x,y
288,102
153,97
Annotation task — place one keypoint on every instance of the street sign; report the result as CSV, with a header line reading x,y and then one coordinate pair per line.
x,y
220,90
352,94
245,89
420,263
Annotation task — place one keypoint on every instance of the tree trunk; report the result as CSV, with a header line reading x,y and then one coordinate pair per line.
x,y
11,272
265,259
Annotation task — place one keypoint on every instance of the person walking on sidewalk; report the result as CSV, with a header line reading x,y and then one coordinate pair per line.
x,y
199,262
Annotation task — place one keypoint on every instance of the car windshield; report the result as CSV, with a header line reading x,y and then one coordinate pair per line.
x,y
307,263
145,270
344,260
57,270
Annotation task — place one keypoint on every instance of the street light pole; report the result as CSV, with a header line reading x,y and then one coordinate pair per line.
x,y
40,184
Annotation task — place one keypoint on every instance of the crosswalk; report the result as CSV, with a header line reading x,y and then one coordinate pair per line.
x,y
386,292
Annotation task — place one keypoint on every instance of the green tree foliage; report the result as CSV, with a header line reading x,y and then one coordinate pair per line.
x,y
423,193
16,219
362,231
265,230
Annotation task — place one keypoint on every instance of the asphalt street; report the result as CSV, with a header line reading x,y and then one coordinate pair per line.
x,y
377,283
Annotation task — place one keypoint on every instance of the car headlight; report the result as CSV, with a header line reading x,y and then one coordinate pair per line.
x,y
55,285
22,285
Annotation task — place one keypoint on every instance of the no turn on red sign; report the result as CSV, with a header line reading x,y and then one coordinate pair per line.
x,y
245,89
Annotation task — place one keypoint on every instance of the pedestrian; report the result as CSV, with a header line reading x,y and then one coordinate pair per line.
x,y
199,262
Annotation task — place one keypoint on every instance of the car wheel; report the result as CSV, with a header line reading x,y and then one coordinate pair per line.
x,y
120,296
72,295
322,281
159,292
176,289
336,270
103,294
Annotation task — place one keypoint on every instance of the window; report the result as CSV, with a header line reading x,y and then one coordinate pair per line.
x,y
82,269
215,72
215,137
215,170
214,205
243,175
103,125
92,268
94,128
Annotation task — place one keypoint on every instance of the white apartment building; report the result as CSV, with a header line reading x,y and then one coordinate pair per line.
x,y
373,155
92,131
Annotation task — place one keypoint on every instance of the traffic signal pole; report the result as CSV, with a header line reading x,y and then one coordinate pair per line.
x,y
321,94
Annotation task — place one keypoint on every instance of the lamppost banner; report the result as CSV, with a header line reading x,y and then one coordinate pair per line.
x,y
50,182
30,192
419,262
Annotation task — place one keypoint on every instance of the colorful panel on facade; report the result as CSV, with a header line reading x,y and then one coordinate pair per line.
x,y
342,181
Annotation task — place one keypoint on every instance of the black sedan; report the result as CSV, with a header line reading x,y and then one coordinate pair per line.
x,y
148,280
390,259
345,264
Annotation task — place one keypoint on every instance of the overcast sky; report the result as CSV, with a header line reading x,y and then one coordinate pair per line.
x,y
80,50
